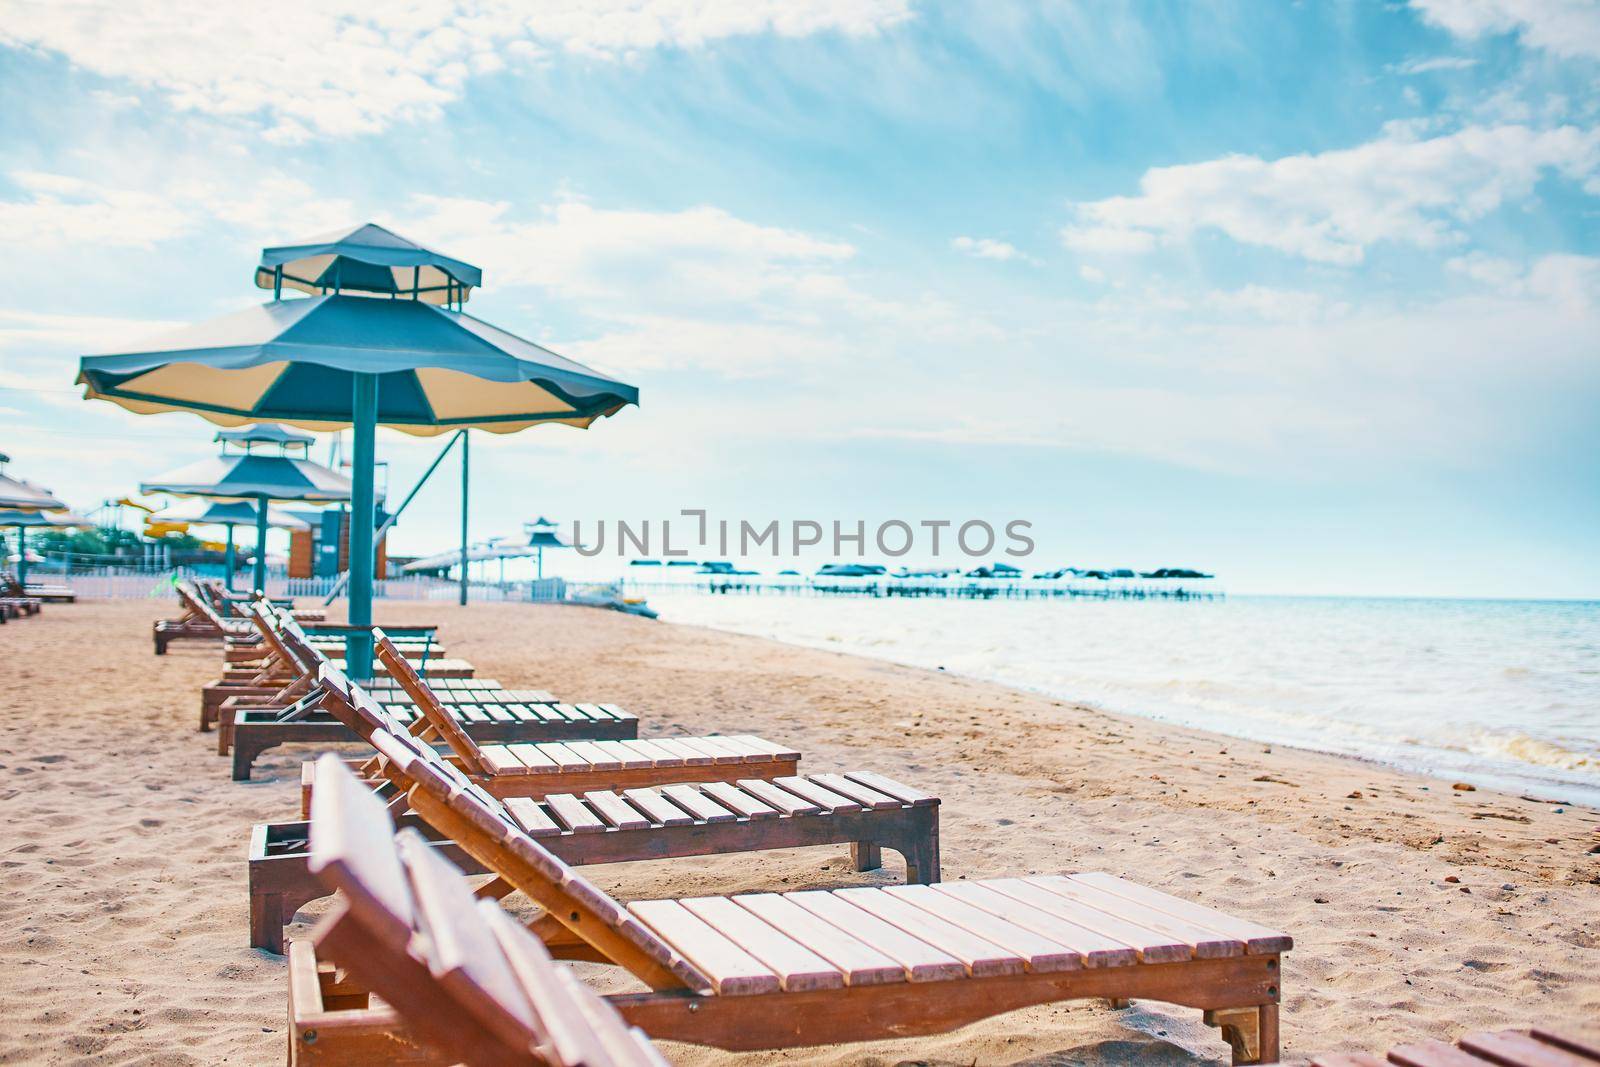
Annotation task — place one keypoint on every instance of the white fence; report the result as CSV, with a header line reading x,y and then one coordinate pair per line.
x,y
129,584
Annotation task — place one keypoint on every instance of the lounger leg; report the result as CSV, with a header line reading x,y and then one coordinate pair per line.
x,y
270,912
922,853
866,855
245,751
1252,1033
225,731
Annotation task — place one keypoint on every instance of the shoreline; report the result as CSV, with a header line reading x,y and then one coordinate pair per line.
x,y
125,918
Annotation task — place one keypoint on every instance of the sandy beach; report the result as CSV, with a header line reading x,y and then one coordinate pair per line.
x,y
1417,909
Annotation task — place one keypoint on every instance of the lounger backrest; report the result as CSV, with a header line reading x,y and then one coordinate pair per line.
x,y
267,623
354,706
480,824
421,694
194,603
487,991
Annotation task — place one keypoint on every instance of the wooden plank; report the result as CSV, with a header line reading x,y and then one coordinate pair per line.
x,y
710,747
867,798
563,757
648,750
1513,1046
764,747
569,713
499,759
1097,949
904,793
1434,1054
732,970
545,712
531,817
857,961
1570,1042
981,957
458,940
615,810
471,712
661,811
572,813
1151,946
591,712
737,800
536,762
697,804
781,799
679,754
598,758
1041,954
573,1036
826,799
497,713
1207,943
625,757
1257,938
920,961
617,713
521,713
797,967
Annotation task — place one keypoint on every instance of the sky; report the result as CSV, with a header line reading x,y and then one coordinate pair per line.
x,y
1306,295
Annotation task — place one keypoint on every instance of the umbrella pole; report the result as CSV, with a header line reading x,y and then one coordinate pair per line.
x,y
466,468
358,645
229,561
22,558
261,548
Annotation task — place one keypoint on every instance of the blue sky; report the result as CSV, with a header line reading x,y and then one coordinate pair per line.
x,y
1305,294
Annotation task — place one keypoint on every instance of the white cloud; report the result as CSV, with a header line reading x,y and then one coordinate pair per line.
x,y
986,248
1332,206
24,328
304,68
60,209
1434,63
630,259
1566,28
1092,274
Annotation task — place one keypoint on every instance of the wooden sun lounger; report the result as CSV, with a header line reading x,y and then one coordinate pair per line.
x,y
460,973
11,588
291,658
483,716
237,605
866,811
788,970
18,606
536,769
1537,1047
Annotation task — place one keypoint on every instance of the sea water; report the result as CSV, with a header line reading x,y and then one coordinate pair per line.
x,y
1497,693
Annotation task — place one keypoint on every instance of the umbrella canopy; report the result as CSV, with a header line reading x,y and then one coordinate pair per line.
x,y
199,511
369,259
293,361
246,476
265,433
369,352
24,496
29,520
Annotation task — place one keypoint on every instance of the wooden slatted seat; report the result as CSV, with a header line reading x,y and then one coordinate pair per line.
x,y
478,987
786,970
231,604
606,826
1536,1047
490,715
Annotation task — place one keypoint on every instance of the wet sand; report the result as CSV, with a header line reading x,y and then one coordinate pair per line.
x,y
1417,909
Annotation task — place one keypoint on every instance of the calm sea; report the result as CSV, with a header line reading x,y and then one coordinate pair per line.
x,y
1498,693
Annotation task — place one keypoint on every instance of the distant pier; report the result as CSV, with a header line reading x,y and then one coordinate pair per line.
x,y
946,588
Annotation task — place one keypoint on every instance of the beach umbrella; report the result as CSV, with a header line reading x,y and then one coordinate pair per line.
x,y
19,495
199,511
256,475
364,351
23,521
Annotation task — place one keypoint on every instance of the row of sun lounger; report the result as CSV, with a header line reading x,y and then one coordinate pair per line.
x,y
11,589
466,778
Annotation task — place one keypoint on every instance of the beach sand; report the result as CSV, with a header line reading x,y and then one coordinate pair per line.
x,y
1417,910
